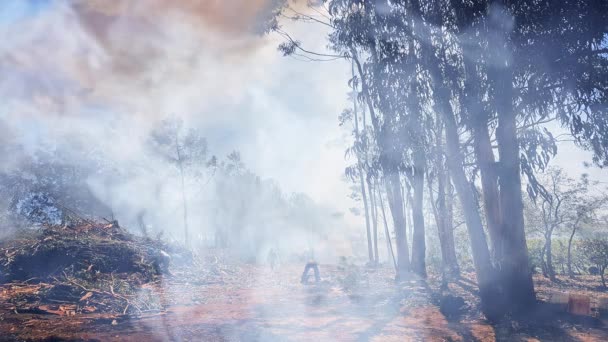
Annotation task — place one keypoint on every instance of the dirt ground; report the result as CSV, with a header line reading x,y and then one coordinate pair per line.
x,y
255,303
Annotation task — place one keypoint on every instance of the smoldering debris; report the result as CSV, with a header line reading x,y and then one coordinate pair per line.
x,y
85,268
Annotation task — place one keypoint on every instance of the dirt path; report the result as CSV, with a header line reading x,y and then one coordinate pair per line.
x,y
257,304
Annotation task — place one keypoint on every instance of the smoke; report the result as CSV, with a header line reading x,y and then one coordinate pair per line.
x,y
89,81
93,78
123,54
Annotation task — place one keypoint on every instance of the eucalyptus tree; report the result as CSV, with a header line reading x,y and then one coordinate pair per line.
x,y
564,208
555,209
495,71
395,97
360,170
441,204
585,213
533,60
485,63
396,78
386,161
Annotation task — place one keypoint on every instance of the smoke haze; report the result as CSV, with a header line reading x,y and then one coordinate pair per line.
x,y
98,76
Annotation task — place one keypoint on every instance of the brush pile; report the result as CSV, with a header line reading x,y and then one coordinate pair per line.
x,y
83,268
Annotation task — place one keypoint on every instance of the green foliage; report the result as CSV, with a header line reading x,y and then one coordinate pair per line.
x,y
596,251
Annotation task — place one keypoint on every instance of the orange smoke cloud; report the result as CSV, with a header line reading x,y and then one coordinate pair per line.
x,y
131,54
227,16
129,29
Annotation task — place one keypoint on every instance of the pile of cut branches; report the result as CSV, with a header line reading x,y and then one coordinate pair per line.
x,y
84,268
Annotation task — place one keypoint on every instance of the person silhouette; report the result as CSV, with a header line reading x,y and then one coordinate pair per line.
x,y
311,265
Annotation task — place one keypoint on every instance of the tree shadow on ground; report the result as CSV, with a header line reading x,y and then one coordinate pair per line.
x,y
396,309
467,285
542,322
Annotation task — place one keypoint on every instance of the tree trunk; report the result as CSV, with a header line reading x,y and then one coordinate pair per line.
x,y
492,303
361,176
515,272
443,220
185,205
370,250
515,266
395,202
449,229
569,262
549,255
543,263
418,238
389,244
484,155
491,298
407,200
180,164
374,212
489,186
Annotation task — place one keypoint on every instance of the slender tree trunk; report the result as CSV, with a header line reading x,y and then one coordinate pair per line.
x,y
418,238
407,200
449,261
543,263
569,261
370,250
449,230
449,204
374,212
395,202
180,164
183,183
486,277
185,204
549,254
361,175
389,244
491,298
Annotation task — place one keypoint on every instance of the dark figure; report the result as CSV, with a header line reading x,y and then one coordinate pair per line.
x,y
315,268
273,258
593,270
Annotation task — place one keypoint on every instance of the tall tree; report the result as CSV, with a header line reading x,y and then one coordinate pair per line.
x,y
565,205
585,211
493,71
440,204
359,149
186,150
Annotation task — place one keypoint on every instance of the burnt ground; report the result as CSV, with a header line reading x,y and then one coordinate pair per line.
x,y
214,301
